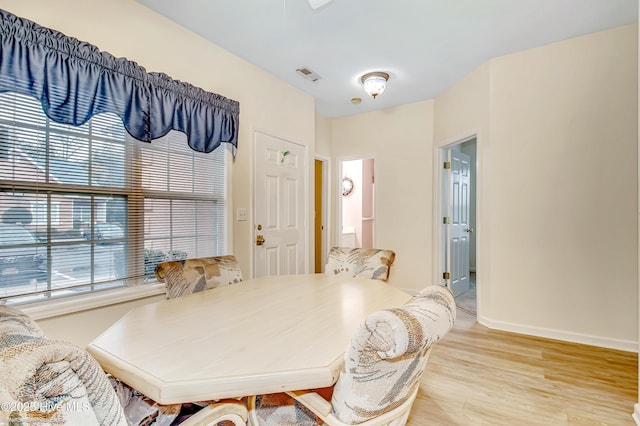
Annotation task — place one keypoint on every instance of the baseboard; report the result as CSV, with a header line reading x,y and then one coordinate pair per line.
x,y
636,414
585,339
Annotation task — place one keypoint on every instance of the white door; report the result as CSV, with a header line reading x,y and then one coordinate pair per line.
x,y
279,209
459,227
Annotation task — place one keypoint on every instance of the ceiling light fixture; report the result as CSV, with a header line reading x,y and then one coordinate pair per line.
x,y
375,82
317,4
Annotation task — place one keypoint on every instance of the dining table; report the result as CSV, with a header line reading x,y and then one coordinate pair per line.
x,y
263,335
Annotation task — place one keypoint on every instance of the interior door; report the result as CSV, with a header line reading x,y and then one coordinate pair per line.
x,y
459,227
279,185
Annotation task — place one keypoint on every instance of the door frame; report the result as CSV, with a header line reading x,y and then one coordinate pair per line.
x,y
338,192
438,206
326,206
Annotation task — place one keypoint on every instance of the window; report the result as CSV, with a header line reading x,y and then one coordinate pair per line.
x,y
40,209
89,208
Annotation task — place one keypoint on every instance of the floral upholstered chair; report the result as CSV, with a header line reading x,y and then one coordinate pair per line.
x,y
53,382
360,262
381,374
189,276
46,381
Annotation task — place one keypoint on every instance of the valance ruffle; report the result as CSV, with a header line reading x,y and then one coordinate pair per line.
x,y
74,81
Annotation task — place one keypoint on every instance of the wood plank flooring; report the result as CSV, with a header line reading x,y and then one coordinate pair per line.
x,y
477,376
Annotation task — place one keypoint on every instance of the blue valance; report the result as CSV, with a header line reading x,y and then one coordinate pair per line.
x,y
74,81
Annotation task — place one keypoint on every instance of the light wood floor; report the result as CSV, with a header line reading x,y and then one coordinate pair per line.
x,y
477,376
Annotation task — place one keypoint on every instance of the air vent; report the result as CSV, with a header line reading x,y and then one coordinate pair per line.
x,y
307,74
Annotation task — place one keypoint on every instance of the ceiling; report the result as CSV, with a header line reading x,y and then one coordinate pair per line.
x,y
424,45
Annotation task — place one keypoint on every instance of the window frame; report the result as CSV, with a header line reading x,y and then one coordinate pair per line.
x,y
41,310
137,288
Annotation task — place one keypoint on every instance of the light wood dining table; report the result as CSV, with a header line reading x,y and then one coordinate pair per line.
x,y
263,335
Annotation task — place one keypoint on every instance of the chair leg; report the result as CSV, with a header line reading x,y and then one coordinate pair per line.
x,y
228,410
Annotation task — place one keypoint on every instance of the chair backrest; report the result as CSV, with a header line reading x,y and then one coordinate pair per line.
x,y
189,276
14,322
53,381
388,354
360,262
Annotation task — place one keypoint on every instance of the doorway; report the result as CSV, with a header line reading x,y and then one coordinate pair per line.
x,y
322,206
457,231
356,195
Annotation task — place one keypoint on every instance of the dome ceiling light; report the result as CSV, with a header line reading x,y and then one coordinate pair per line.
x,y
375,82
317,4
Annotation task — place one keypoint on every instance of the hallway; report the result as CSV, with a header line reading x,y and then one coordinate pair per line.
x,y
466,302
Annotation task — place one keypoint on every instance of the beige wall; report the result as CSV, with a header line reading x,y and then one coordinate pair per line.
x,y
128,29
401,141
564,141
464,109
460,112
557,153
557,189
324,134
558,162
82,327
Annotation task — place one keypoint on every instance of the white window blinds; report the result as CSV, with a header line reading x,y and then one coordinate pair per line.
x,y
89,208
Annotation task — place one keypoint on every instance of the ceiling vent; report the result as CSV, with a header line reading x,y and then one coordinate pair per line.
x,y
307,74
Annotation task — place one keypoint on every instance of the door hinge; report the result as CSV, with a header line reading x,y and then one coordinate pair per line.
x,y
446,276
447,164
446,220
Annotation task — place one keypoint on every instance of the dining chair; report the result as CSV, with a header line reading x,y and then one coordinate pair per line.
x,y
140,410
360,262
183,277
383,366
221,413
48,381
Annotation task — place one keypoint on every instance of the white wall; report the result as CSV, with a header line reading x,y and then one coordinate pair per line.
x,y
324,131
82,327
401,141
557,190
557,152
128,29
557,144
564,140
368,203
459,113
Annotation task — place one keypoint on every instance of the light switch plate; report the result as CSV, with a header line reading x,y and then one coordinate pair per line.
x,y
241,214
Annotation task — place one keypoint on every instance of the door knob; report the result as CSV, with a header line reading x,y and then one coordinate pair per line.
x,y
468,230
259,240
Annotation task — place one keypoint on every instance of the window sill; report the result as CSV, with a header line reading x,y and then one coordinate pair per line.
x,y
69,305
